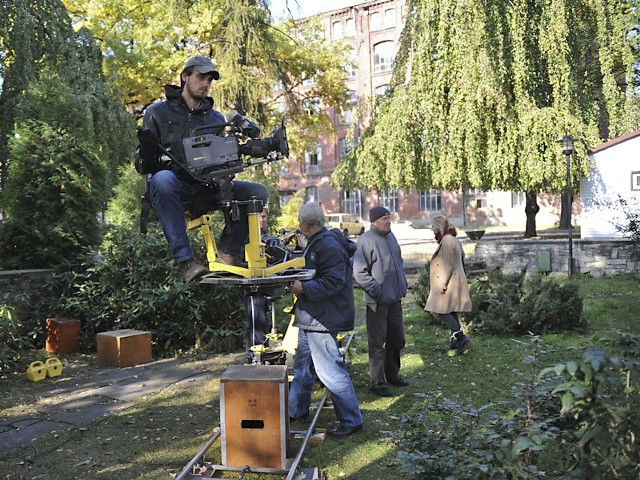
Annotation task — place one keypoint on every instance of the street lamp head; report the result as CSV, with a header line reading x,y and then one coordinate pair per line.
x,y
567,145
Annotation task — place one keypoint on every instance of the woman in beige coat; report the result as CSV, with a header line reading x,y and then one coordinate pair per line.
x,y
448,290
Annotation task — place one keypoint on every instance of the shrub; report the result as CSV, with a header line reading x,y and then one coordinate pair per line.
x,y
443,439
599,406
513,305
594,426
131,283
17,334
420,289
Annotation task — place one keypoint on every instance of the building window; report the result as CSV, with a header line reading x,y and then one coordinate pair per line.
x,y
430,201
351,66
346,117
351,202
476,198
635,180
382,90
389,200
284,168
336,30
384,55
375,21
308,79
389,18
312,160
312,195
350,27
284,196
518,199
344,147
312,105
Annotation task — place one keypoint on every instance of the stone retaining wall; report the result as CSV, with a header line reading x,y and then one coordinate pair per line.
x,y
593,257
23,281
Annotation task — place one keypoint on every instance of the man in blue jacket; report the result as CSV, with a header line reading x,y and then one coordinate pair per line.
x,y
323,308
379,270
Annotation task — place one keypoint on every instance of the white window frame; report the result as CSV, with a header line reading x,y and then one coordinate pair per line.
x,y
430,200
312,194
384,56
389,199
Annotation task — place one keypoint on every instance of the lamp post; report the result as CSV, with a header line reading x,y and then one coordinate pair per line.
x,y
567,150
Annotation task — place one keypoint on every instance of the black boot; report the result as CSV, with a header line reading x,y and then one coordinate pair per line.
x,y
453,346
462,343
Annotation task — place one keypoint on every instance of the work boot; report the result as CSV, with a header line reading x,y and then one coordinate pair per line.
x,y
460,343
226,258
192,270
453,346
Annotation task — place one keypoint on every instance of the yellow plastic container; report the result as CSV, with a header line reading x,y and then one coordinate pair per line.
x,y
54,367
36,371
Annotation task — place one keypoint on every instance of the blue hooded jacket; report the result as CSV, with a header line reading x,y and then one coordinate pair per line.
x,y
327,302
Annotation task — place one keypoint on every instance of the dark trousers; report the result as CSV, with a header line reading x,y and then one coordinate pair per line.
x,y
450,320
385,335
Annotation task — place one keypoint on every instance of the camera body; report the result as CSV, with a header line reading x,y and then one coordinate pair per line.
x,y
207,157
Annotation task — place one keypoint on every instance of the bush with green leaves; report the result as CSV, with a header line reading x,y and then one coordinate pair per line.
x,y
17,334
583,424
420,289
442,439
132,283
53,195
62,164
515,305
599,401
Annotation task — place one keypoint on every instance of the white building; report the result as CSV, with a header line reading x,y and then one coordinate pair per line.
x,y
615,175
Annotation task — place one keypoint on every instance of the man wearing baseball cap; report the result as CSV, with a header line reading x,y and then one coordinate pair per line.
x,y
203,65
379,270
171,189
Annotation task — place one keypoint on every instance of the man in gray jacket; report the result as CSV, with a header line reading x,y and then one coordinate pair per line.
x,y
379,270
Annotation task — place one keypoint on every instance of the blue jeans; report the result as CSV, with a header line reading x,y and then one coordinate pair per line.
x,y
171,197
321,349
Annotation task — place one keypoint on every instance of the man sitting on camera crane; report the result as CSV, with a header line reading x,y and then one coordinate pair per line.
x,y
171,187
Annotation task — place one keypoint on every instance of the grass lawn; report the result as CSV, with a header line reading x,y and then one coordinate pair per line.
x,y
156,437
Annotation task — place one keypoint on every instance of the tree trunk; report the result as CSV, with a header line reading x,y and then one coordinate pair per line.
x,y
531,209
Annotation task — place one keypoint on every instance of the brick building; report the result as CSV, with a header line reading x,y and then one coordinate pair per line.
x,y
373,29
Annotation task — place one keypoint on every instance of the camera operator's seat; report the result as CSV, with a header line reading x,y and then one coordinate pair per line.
x,y
255,256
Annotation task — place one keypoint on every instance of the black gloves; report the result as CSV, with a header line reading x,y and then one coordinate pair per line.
x,y
149,144
246,126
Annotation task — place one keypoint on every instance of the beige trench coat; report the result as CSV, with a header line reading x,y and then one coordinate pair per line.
x,y
447,271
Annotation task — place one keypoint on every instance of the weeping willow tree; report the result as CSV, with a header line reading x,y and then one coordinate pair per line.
x,y
484,90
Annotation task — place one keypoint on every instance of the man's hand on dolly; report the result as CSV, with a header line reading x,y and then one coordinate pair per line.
x,y
297,288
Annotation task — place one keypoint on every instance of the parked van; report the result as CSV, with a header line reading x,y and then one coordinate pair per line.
x,y
347,223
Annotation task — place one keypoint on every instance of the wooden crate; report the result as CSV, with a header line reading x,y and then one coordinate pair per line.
x,y
63,335
124,348
254,413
